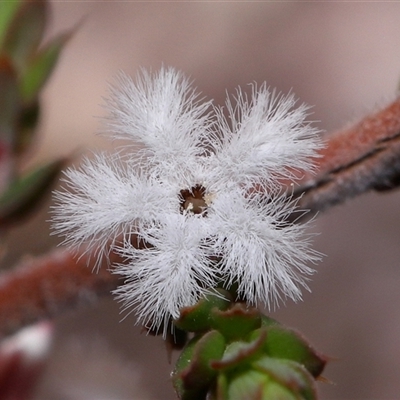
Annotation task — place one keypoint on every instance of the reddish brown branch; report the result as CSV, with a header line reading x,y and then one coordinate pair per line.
x,y
43,287
363,157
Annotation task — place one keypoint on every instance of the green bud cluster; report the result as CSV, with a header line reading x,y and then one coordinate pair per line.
x,y
237,353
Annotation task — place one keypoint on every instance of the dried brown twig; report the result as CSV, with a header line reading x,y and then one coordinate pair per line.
x,y
363,157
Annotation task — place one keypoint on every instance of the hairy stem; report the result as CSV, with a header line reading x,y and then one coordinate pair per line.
x,y
364,157
42,288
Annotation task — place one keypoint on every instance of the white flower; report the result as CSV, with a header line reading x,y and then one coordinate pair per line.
x,y
201,204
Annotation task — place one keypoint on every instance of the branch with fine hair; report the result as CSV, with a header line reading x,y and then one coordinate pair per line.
x,y
355,160
363,157
41,288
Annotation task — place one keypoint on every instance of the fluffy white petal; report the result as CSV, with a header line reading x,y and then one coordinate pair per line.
x,y
103,200
264,140
171,272
160,111
261,252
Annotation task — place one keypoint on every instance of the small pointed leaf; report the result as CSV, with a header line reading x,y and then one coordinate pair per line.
x,y
289,375
8,9
25,33
194,374
268,321
41,66
287,344
197,318
236,322
254,385
239,354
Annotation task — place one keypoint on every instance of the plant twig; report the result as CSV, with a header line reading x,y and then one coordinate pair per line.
x,y
355,160
42,287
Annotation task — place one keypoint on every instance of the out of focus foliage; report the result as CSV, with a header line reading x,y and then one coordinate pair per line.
x,y
25,66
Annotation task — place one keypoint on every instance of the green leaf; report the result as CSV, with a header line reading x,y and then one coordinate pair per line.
x,y
25,33
238,355
8,9
268,321
25,193
287,344
254,385
197,318
41,66
194,374
288,376
265,378
236,322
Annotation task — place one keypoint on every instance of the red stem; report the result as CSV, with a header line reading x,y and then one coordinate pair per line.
x,y
43,287
355,160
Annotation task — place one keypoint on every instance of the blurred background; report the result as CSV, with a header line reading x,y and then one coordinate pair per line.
x,y
344,59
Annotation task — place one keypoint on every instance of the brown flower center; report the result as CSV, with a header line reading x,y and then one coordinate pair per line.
x,y
193,200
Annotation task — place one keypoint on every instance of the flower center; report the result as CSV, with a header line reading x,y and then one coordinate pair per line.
x,y
194,200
